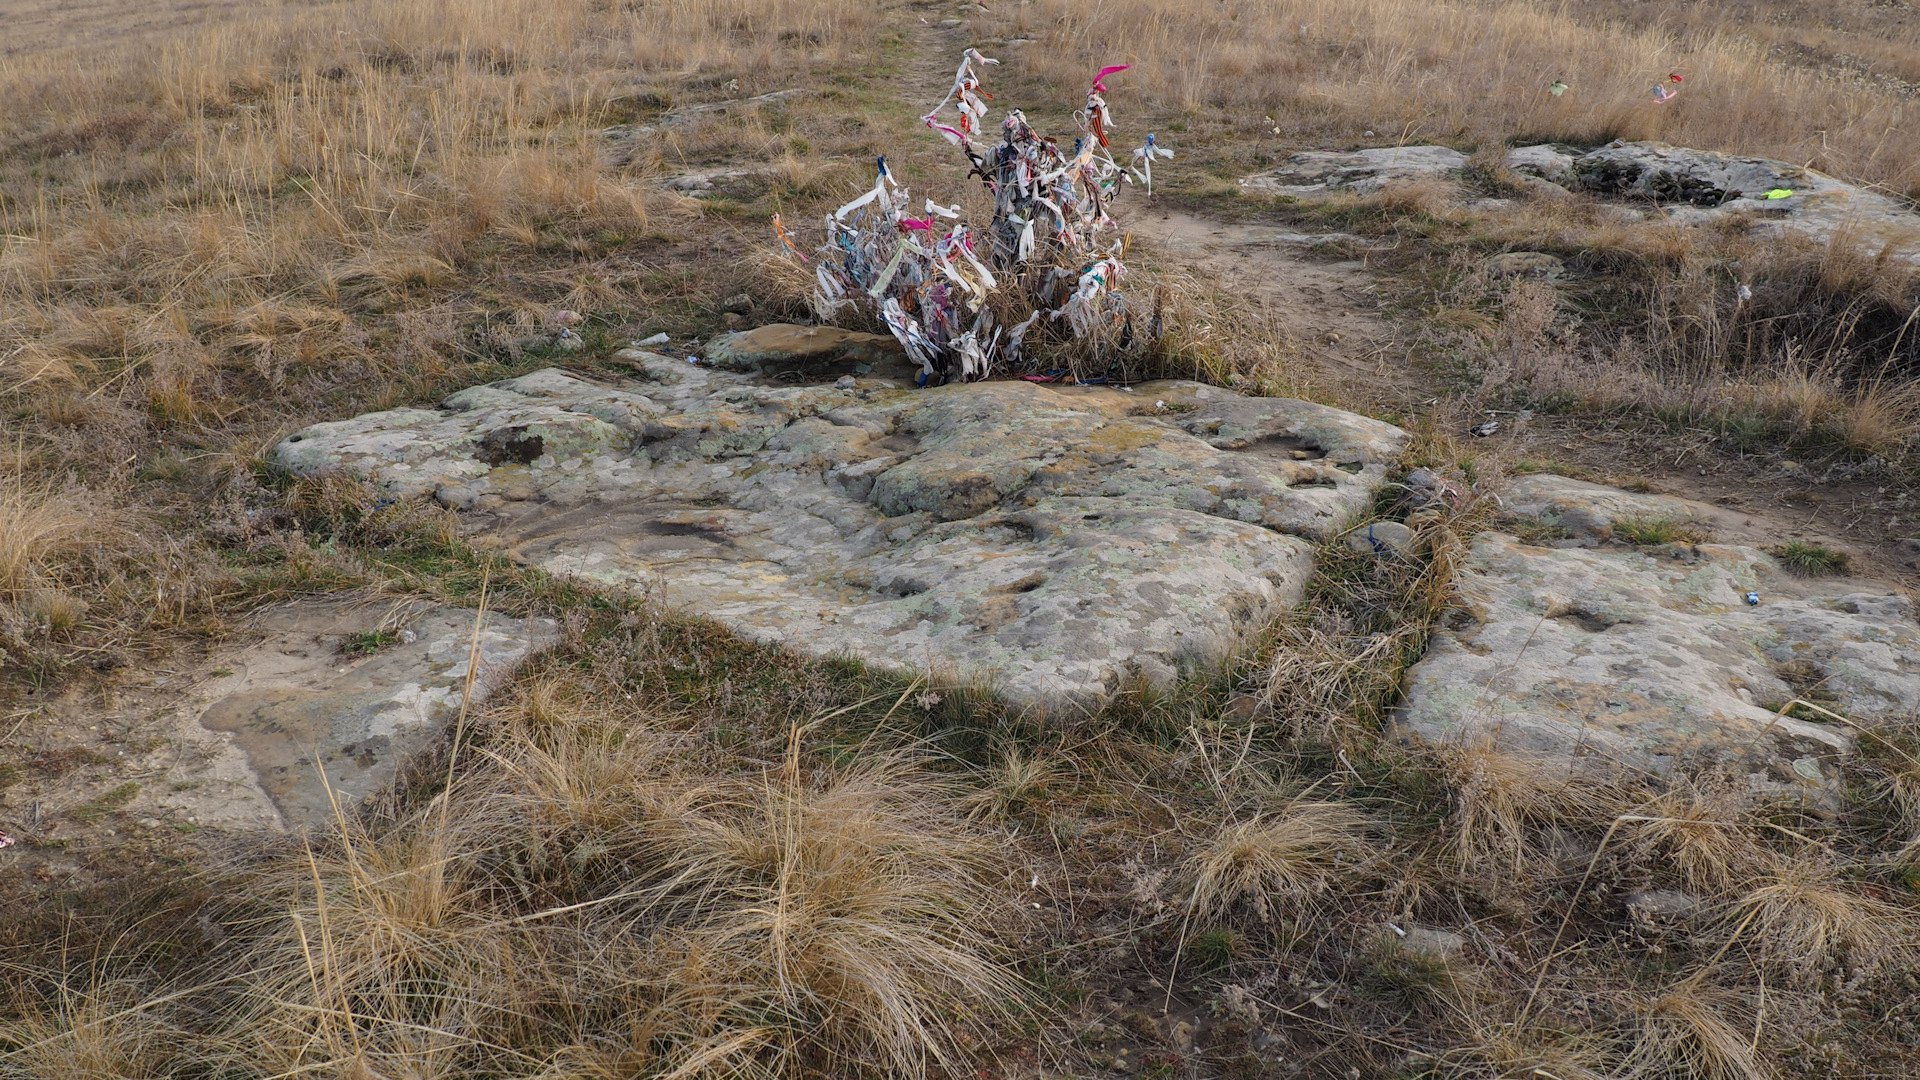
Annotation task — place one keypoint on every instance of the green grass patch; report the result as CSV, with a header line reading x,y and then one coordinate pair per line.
x,y
368,642
1651,531
1537,529
1809,560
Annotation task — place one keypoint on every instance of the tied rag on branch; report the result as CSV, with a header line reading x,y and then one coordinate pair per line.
x,y
965,302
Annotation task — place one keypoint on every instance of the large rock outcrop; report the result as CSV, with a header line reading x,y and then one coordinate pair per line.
x,y
1051,540
1313,173
1652,656
1689,186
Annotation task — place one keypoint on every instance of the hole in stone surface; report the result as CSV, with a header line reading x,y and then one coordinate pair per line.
x,y
906,586
1316,482
1350,466
510,444
1590,621
682,528
1026,584
898,444
1287,446
1091,517
1807,679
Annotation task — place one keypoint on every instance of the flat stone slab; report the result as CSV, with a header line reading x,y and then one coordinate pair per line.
x,y
1052,541
1702,186
778,348
1588,512
1689,186
299,701
1652,657
1363,172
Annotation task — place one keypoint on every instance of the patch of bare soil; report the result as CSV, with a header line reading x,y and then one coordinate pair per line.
x,y
1761,500
1328,306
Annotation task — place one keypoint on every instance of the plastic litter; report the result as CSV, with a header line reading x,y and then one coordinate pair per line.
x,y
1744,292
6,841
1142,166
1780,193
1044,256
1752,598
657,339
1556,88
1664,92
1481,431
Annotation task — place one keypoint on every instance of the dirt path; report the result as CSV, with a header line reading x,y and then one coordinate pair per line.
x,y
1325,307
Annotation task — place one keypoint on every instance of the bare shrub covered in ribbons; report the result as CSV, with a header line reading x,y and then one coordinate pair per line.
x,y
1040,280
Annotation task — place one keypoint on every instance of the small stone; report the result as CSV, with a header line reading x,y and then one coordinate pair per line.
x,y
1908,550
845,382
1319,173
733,320
1430,942
739,304
1580,658
568,341
1652,906
1243,706
1384,538
1587,523
1182,1037
779,347
288,703
1537,264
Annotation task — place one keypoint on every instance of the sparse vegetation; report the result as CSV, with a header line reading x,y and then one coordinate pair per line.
x,y
366,642
664,853
1648,531
1809,560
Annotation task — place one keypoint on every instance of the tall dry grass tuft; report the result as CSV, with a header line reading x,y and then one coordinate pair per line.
x,y
1272,863
35,527
1702,830
1018,785
100,1031
1803,917
1695,1030
595,907
843,919
1503,800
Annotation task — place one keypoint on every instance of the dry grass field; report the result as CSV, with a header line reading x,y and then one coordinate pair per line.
x,y
224,221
